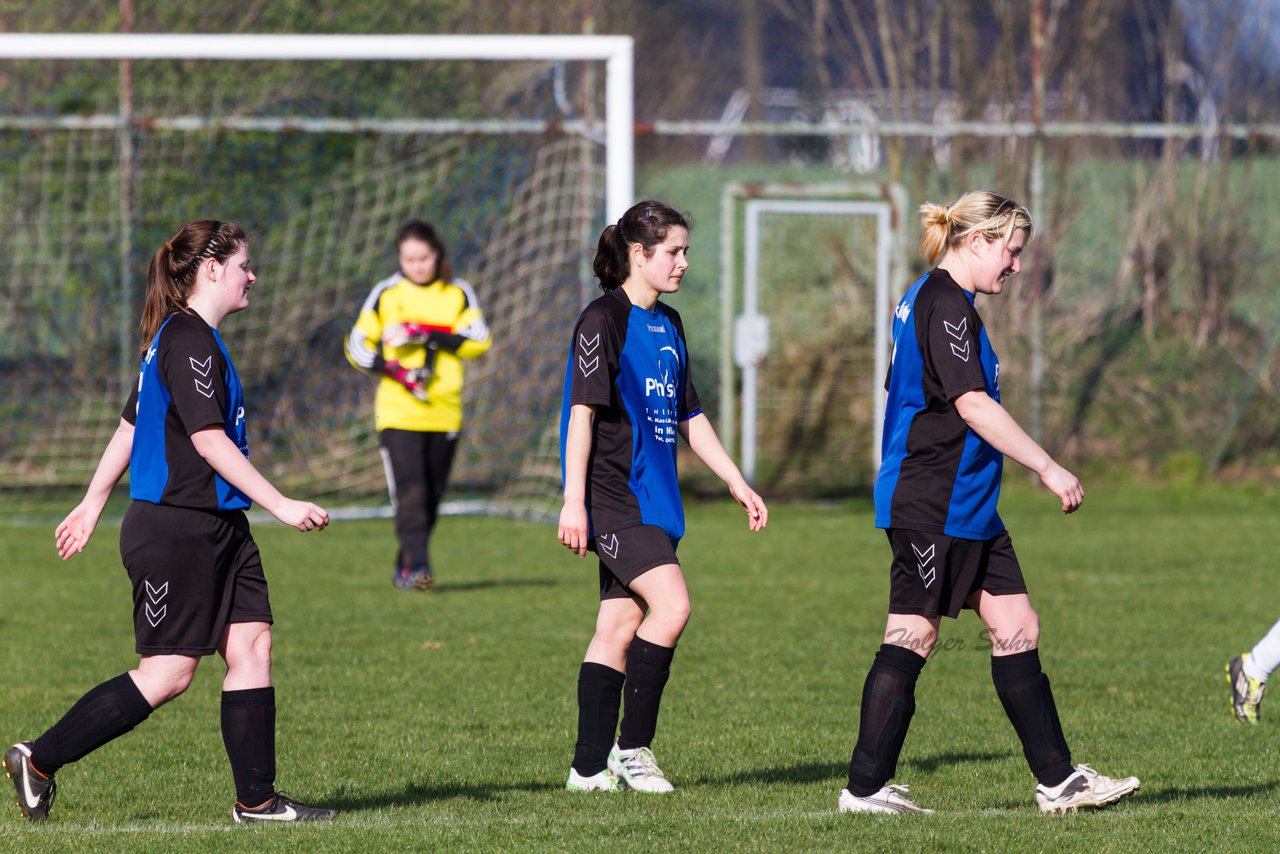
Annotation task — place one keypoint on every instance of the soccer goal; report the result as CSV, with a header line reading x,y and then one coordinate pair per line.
x,y
807,337
516,147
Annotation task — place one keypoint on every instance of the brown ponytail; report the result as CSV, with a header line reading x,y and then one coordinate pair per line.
x,y
172,273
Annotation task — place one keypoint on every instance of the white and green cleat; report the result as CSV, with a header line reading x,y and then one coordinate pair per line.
x,y
1246,692
638,770
604,781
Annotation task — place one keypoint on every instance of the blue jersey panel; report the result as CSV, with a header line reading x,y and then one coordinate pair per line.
x,y
149,458
651,380
903,401
230,497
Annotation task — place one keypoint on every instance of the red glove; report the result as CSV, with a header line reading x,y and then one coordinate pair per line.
x,y
401,334
414,379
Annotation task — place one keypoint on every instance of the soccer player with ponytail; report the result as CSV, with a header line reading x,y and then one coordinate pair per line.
x,y
198,584
945,439
627,396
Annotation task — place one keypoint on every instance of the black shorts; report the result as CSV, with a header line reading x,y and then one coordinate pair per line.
x,y
193,572
627,554
932,574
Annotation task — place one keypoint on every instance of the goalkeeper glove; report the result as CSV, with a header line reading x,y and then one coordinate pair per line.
x,y
414,379
402,334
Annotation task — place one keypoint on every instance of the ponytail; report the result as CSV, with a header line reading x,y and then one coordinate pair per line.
x,y
943,227
171,276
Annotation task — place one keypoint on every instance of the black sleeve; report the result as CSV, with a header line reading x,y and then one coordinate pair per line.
x,y
130,411
447,341
191,368
595,359
690,405
950,332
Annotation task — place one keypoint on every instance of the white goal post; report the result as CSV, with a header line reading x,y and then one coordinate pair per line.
x,y
617,52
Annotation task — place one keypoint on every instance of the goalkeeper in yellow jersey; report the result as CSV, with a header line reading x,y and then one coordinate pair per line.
x,y
414,331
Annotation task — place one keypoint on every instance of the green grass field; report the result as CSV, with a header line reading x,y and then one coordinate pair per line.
x,y
446,720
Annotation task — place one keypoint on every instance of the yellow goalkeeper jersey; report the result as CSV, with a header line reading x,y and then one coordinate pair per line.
x,y
452,311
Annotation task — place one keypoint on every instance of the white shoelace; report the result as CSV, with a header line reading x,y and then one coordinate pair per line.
x,y
642,764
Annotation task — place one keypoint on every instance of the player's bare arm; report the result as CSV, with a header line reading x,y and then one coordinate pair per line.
x,y
225,458
992,422
73,532
573,532
703,441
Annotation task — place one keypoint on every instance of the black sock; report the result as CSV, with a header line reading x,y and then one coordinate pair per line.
x,y
648,668
105,713
1028,701
599,697
888,702
249,734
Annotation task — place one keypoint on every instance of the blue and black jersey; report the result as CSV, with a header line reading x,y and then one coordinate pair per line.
x,y
186,383
936,474
633,366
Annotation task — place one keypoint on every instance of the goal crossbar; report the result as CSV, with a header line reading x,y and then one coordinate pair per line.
x,y
616,51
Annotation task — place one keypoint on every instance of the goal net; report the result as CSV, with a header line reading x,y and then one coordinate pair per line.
x,y
101,160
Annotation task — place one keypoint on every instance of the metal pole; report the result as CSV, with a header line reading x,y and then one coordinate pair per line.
x,y
124,136
1040,276
729,430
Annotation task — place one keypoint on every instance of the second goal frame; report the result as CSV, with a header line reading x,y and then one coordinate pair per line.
x,y
745,335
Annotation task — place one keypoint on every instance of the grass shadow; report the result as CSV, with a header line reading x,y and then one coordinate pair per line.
x,y
1202,792
929,764
471,586
805,772
819,772
423,793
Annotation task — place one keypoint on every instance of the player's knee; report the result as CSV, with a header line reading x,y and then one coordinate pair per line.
x,y
674,615
160,684
257,655
617,635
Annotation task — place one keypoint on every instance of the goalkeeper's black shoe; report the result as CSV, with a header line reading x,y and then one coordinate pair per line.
x,y
419,578
35,790
280,808
422,578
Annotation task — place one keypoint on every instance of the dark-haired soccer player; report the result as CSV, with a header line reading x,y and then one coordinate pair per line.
x,y
945,439
414,331
627,397
198,585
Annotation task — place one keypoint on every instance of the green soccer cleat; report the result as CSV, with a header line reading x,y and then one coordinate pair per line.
x,y
1246,692
604,781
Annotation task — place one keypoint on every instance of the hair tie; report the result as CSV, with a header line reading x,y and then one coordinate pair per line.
x,y
168,244
621,233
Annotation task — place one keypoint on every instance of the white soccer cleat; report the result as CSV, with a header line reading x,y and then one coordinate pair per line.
x,y
603,781
638,770
890,799
1085,789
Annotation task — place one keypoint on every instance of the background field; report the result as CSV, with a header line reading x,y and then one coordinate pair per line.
x,y
446,720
